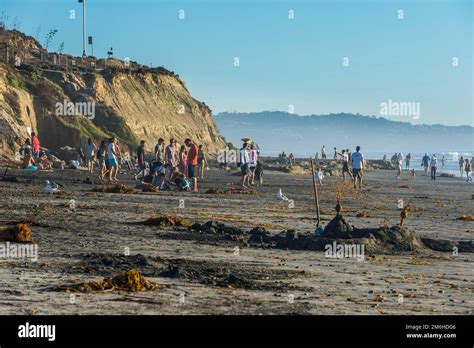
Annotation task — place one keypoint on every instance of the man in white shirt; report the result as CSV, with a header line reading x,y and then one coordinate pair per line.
x,y
357,159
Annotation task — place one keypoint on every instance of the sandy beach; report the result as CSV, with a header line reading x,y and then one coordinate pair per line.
x,y
202,273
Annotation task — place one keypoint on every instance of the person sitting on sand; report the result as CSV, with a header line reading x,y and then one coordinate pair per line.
x,y
175,176
160,182
319,176
182,183
43,162
467,169
28,160
357,166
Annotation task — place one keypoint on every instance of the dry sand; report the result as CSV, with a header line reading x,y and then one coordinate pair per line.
x,y
203,275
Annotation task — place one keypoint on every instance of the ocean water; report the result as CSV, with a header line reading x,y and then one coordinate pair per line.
x,y
451,165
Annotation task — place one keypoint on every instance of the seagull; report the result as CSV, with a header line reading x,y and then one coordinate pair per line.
x,y
52,187
281,196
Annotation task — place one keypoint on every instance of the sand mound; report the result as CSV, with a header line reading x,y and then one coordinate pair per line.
x,y
21,233
118,188
131,281
167,221
337,228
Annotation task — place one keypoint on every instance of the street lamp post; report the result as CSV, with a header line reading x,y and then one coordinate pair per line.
x,y
83,27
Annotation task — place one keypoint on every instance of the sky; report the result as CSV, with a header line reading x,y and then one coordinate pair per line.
x,y
329,57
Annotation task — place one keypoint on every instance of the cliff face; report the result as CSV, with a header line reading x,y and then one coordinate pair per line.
x,y
132,103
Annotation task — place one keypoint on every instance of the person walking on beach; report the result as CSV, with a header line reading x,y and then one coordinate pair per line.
x,y
112,160
345,166
335,153
357,166
90,155
467,169
36,144
425,162
349,155
244,165
434,166
407,161
102,157
461,166
192,162
399,165
160,152
202,161
443,162
323,152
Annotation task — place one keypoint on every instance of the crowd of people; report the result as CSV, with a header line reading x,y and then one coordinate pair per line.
x,y
174,165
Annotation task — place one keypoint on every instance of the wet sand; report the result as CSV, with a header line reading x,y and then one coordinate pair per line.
x,y
203,275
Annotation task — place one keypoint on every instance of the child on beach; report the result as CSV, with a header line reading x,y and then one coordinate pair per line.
x,y
101,156
259,173
319,176
182,183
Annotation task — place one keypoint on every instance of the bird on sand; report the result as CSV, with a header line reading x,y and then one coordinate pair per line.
x,y
281,196
52,187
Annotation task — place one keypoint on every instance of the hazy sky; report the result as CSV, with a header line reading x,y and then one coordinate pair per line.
x,y
284,61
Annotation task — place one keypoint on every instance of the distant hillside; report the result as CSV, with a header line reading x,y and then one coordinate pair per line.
x,y
277,131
